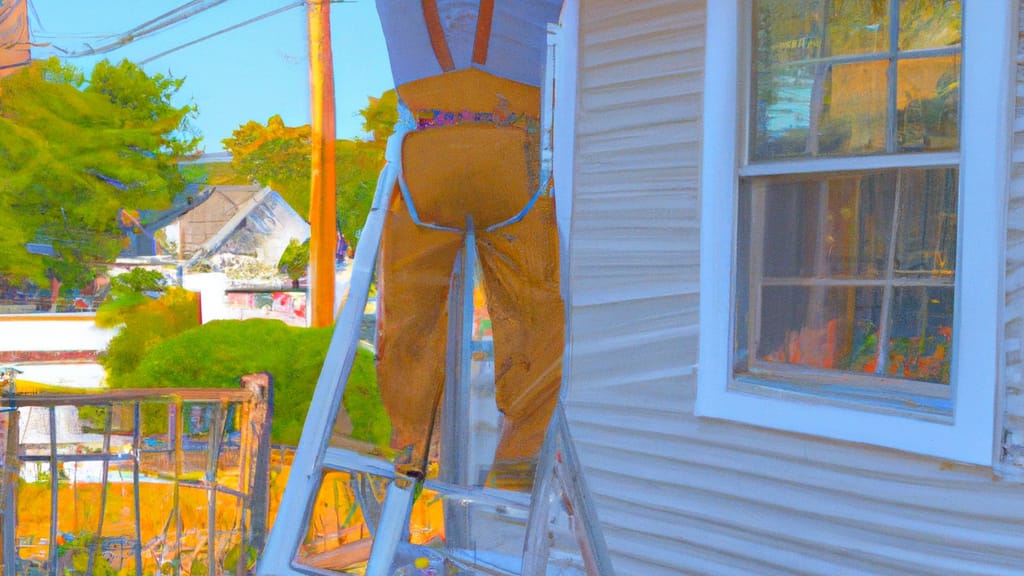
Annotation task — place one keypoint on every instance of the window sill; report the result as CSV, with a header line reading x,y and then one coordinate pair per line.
x,y
897,425
862,399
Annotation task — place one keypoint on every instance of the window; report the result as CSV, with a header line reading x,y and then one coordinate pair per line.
x,y
857,218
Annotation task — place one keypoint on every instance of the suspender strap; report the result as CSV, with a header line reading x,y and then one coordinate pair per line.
x,y
437,39
483,31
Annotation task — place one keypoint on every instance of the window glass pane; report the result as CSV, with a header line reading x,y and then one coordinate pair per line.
x,y
796,30
823,74
857,27
788,31
921,334
854,110
834,327
929,23
926,237
824,284
782,111
822,109
928,104
834,228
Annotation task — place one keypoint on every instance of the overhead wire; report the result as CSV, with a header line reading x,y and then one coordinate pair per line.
x,y
174,16
167,14
252,20
169,18
32,8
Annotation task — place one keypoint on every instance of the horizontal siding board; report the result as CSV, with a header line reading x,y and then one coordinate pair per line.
x,y
605,108
852,462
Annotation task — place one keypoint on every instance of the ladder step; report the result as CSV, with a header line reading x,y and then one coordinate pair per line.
x,y
344,460
352,461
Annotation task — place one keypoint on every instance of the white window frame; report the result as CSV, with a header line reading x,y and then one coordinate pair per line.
x,y
987,99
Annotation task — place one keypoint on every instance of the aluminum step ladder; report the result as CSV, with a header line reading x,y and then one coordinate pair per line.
x,y
559,486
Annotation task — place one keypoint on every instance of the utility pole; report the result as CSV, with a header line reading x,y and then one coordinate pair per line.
x,y
322,216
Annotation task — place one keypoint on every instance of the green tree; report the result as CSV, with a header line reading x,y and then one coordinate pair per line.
x,y
274,155
138,280
278,156
75,152
294,260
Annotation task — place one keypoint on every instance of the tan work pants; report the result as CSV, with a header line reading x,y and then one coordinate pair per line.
x,y
454,172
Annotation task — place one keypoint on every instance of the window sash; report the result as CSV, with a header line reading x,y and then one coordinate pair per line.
x,y
931,398
891,56
752,169
888,280
987,104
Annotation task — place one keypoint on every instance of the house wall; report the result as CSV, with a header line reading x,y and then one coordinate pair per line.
x,y
282,224
23,335
678,494
200,224
1013,441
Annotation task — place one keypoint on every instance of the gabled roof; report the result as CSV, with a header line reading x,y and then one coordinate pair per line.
x,y
247,209
189,198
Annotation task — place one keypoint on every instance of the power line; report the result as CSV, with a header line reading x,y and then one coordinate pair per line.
x,y
169,18
252,20
174,16
32,7
168,14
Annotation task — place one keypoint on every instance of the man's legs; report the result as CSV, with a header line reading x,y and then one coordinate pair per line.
x,y
521,276
412,312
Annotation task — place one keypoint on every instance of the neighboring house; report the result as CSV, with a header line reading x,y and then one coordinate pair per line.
x,y
727,293
244,221
141,229
203,222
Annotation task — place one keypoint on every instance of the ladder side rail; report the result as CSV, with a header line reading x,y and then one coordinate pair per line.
x,y
304,478
394,524
536,545
455,422
54,491
571,478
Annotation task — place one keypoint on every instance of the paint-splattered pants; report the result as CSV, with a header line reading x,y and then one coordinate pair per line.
x,y
454,172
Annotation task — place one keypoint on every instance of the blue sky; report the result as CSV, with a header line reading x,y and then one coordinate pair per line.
x,y
250,73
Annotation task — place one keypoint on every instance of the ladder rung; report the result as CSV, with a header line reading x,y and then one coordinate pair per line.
x,y
349,461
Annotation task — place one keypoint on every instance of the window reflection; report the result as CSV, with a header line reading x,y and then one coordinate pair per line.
x,y
851,272
824,71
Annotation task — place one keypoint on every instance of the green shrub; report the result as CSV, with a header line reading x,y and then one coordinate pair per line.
x,y
145,322
217,354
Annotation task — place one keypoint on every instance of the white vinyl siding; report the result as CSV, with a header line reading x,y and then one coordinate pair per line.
x,y
677,494
1012,441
